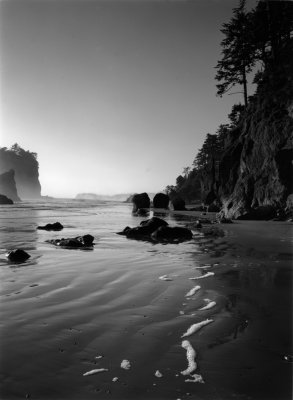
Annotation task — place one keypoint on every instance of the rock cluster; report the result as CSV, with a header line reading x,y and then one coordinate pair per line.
x,y
157,229
76,242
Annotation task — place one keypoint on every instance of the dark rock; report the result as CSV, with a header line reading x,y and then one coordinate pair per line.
x,y
154,223
259,213
178,204
170,233
124,232
77,242
213,208
161,200
145,229
52,227
5,200
17,255
142,212
8,185
141,200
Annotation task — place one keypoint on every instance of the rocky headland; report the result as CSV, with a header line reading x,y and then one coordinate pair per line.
x,y
8,186
25,168
245,170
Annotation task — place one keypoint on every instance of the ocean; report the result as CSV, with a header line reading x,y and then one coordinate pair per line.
x,y
110,322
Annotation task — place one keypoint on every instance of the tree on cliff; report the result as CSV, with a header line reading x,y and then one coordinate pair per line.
x,y
210,150
238,52
26,167
272,23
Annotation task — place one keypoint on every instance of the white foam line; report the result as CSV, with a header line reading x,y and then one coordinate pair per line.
x,y
193,291
196,327
190,354
203,276
196,379
165,278
95,371
210,305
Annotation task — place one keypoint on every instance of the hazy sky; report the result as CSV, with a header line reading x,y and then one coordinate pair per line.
x,y
115,96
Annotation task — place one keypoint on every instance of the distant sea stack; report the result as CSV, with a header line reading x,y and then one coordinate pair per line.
x,y
8,185
102,197
26,168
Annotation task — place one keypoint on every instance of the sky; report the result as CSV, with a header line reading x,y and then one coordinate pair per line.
x,y
115,96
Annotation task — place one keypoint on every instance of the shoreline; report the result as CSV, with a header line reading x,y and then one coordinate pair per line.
x,y
68,307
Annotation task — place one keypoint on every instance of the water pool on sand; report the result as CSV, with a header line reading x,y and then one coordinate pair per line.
x,y
62,308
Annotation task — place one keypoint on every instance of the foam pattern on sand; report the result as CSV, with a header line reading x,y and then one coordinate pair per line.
x,y
196,327
203,276
193,291
95,371
210,304
190,355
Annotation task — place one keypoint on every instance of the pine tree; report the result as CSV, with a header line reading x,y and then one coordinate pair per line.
x,y
238,52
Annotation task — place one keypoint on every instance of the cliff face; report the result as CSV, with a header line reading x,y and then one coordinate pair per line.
x,y
26,168
8,185
256,167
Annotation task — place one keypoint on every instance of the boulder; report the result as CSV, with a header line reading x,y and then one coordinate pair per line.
x,y
157,229
52,227
171,233
77,242
161,200
178,204
145,229
17,255
5,199
142,212
140,200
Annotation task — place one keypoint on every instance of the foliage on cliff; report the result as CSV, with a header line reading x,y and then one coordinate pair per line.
x,y
26,167
248,162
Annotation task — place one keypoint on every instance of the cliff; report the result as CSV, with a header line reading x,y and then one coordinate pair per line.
x,y
8,185
256,166
26,168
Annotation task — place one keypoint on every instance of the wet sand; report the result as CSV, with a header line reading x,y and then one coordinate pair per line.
x,y
60,322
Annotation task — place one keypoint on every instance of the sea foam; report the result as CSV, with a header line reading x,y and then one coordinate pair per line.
x,y
95,371
192,291
210,304
202,276
196,327
125,364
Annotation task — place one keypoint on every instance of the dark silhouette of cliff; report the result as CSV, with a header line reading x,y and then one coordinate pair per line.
x,y
256,166
26,168
247,166
8,185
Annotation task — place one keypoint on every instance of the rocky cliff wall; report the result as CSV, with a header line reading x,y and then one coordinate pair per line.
x,y
8,185
26,168
256,167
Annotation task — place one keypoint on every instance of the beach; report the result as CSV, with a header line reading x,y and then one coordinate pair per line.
x,y
66,313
